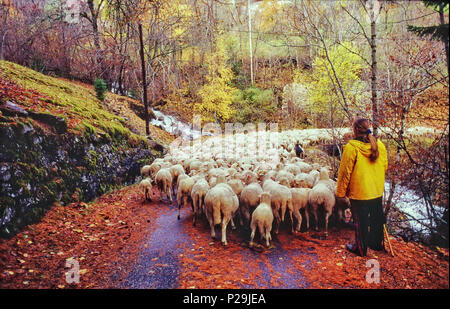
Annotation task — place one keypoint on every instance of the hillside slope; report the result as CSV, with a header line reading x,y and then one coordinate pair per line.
x,y
59,143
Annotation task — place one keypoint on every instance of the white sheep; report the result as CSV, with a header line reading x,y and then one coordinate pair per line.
x,y
221,203
269,175
155,167
145,170
176,170
158,160
169,159
249,177
325,179
216,172
163,179
198,194
146,187
281,200
182,176
312,178
321,196
248,201
304,180
184,192
285,174
236,185
212,181
194,165
284,181
304,167
300,201
262,218
292,168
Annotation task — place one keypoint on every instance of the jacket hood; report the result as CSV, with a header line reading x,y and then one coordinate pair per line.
x,y
363,148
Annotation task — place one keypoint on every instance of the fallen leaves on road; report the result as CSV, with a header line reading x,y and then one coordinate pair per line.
x,y
107,236
88,233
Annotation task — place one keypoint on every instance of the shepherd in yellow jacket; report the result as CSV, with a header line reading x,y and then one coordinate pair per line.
x,y
361,178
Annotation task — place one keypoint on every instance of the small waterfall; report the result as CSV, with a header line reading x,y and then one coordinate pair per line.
x,y
176,127
169,123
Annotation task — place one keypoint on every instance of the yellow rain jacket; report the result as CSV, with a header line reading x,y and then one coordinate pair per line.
x,y
358,177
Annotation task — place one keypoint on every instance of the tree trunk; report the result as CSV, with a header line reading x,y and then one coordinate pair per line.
x,y
144,81
250,41
99,59
445,39
2,46
373,47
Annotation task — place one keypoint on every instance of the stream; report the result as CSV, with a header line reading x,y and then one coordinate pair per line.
x,y
413,206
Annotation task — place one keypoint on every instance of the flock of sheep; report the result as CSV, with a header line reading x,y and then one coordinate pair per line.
x,y
259,193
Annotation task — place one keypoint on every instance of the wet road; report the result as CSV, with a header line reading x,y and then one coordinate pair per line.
x,y
159,267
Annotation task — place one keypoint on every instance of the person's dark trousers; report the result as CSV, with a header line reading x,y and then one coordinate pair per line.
x,y
368,218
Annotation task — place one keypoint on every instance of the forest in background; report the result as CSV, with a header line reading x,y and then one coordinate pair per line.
x,y
299,63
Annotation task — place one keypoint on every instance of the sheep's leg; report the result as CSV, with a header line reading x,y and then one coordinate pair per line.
x,y
292,221
241,215
168,189
283,210
145,197
246,215
314,213
179,204
261,230
252,235
267,236
161,189
179,198
225,221
179,207
174,184
201,204
307,219
170,194
211,225
277,220
233,226
327,215
150,195
164,188
185,199
298,216
195,207
277,226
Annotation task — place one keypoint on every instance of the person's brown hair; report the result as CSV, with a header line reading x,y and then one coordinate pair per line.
x,y
363,132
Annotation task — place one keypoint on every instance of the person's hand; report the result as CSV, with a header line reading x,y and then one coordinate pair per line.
x,y
342,201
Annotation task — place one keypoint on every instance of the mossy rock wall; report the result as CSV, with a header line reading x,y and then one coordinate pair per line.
x,y
39,167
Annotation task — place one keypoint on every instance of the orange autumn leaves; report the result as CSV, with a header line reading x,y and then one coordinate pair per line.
x,y
313,262
98,235
113,230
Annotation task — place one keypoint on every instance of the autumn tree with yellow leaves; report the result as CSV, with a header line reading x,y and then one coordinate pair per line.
x,y
216,94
